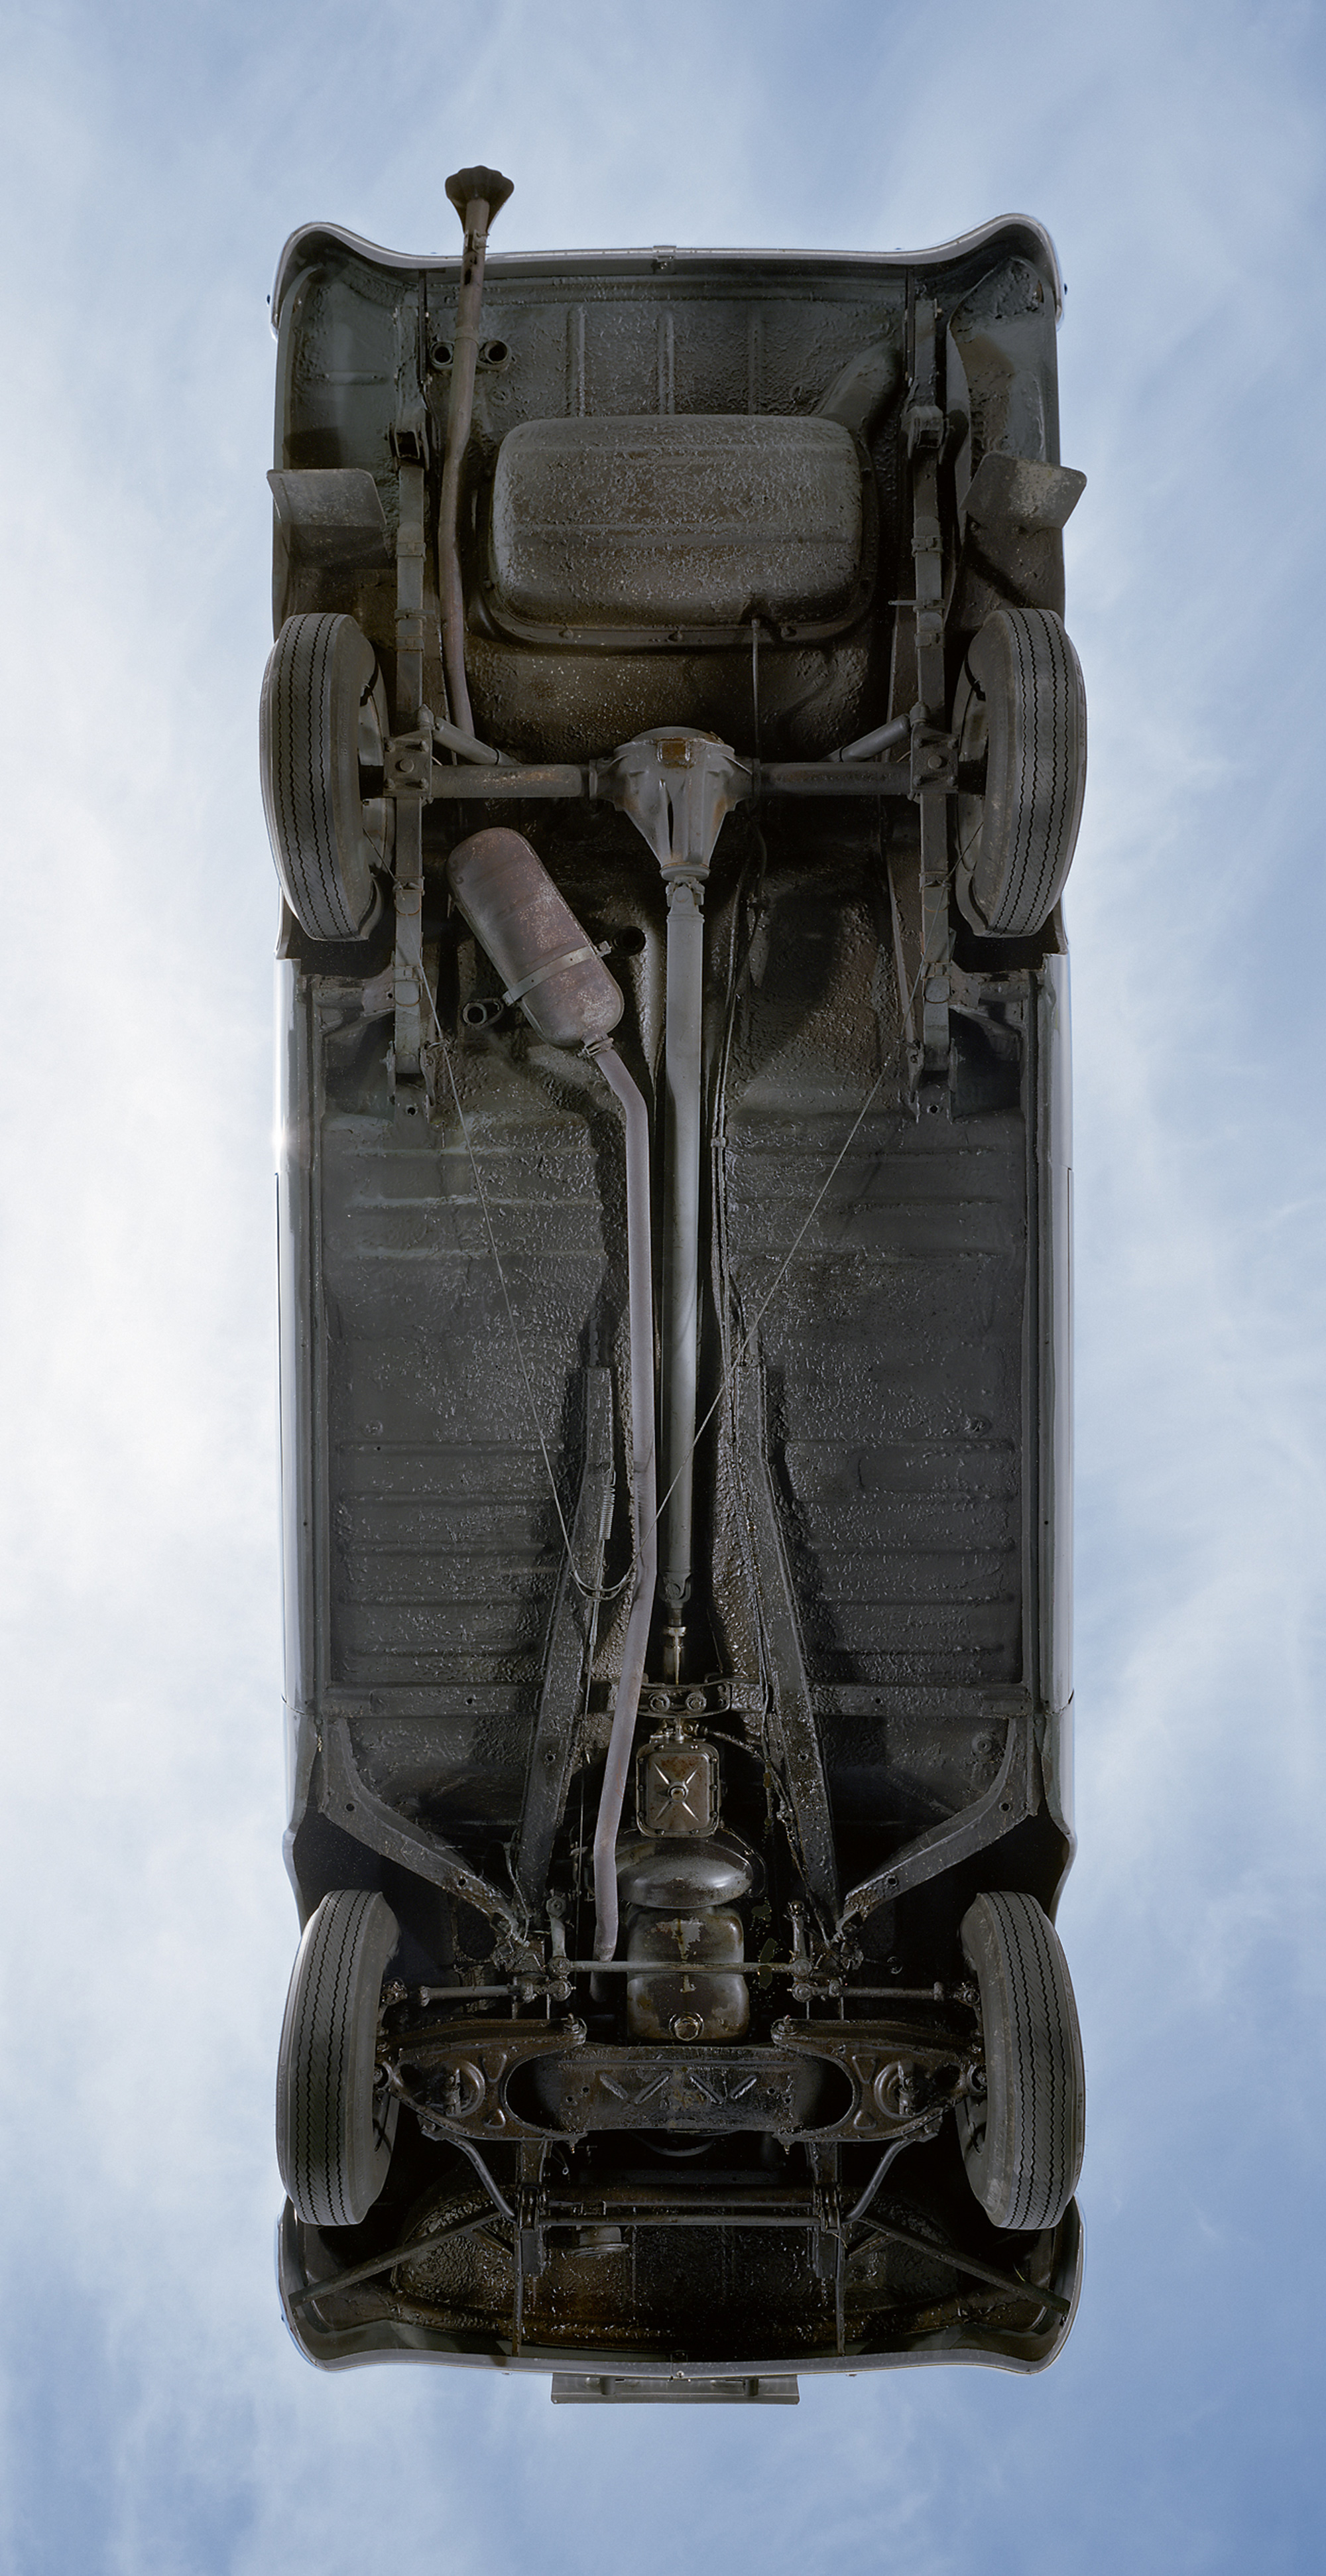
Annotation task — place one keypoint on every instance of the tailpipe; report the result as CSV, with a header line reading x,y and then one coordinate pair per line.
x,y
503,890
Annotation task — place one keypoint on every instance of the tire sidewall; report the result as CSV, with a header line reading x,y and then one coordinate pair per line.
x,y
990,2146
321,674
1024,2157
333,2159
1016,839
992,665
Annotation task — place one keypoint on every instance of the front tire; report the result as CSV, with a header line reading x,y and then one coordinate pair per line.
x,y
1020,709
1022,2146
322,727
333,2138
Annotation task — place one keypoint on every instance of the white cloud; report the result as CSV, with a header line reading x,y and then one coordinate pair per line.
x,y
156,158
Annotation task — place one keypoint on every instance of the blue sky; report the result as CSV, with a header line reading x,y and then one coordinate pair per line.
x,y
156,2419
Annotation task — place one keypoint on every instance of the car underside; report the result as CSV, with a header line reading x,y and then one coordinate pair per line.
x,y
673,755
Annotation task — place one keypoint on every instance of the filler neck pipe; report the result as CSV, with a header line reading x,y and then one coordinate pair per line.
x,y
477,196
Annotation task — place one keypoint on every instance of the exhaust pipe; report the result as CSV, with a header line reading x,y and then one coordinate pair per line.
x,y
677,787
503,890
644,1489
478,197
683,1046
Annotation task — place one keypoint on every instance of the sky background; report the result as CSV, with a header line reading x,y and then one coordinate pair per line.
x,y
156,2418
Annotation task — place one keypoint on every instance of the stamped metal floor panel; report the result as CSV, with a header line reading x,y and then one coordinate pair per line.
x,y
892,1252
443,1541
893,1351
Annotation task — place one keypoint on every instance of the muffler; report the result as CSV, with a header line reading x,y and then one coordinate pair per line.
x,y
501,887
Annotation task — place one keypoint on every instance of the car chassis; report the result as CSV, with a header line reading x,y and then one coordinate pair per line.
x,y
663,2174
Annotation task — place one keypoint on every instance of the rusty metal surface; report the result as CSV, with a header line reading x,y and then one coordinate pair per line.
x,y
608,2388
694,336
855,2083
620,2296
969,253
632,531
875,1642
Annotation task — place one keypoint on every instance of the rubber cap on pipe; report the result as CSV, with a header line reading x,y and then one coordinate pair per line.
x,y
465,185
503,890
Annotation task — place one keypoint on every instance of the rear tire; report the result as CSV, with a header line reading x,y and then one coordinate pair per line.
x,y
1021,707
1022,2146
333,2141
322,726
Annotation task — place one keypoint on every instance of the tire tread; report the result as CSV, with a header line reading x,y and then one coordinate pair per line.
x,y
1031,679
1026,2169
321,2102
319,850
